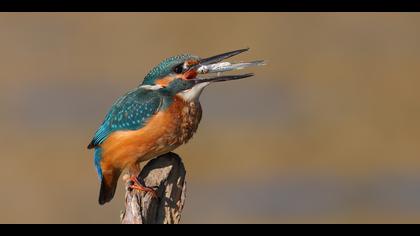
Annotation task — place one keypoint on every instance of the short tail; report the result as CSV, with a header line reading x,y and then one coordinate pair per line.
x,y
108,186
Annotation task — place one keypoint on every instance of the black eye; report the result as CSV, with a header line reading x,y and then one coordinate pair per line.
x,y
178,69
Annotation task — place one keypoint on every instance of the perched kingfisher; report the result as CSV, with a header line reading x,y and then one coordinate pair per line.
x,y
156,117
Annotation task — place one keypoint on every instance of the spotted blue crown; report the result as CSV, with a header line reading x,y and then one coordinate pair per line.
x,y
165,67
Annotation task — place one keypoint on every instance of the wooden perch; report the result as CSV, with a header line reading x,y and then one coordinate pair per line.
x,y
167,172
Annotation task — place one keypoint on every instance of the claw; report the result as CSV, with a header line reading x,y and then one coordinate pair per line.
x,y
135,184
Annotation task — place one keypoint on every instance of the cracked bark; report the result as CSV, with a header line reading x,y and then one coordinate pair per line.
x,y
167,173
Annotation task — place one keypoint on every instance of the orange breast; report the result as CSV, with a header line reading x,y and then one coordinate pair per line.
x,y
163,133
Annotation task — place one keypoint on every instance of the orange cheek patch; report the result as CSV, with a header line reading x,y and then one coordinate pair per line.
x,y
164,81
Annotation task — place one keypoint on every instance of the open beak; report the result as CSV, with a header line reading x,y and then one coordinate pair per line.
x,y
222,78
214,64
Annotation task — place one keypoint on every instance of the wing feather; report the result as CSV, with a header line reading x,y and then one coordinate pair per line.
x,y
129,112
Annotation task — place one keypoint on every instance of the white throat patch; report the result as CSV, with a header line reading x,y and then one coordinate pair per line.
x,y
193,93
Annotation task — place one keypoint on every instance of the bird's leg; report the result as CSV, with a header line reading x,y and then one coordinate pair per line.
x,y
134,183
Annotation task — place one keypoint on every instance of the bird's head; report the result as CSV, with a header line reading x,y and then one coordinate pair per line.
x,y
185,74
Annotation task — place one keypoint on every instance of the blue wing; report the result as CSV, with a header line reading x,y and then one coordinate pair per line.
x,y
129,112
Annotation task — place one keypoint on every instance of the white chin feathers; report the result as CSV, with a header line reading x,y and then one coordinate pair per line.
x,y
194,92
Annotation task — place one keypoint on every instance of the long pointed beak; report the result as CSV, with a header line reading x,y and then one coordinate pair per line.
x,y
222,78
214,64
221,57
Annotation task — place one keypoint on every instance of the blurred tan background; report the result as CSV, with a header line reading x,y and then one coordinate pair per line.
x,y
328,131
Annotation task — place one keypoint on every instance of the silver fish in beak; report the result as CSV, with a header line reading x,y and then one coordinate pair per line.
x,y
215,64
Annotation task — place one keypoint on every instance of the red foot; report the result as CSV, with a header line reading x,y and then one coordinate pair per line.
x,y
139,187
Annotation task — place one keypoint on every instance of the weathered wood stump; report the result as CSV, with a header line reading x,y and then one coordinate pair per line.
x,y
167,173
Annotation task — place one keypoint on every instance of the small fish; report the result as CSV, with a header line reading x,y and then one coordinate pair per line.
x,y
227,66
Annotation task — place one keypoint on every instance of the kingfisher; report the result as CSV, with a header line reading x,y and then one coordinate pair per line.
x,y
156,117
